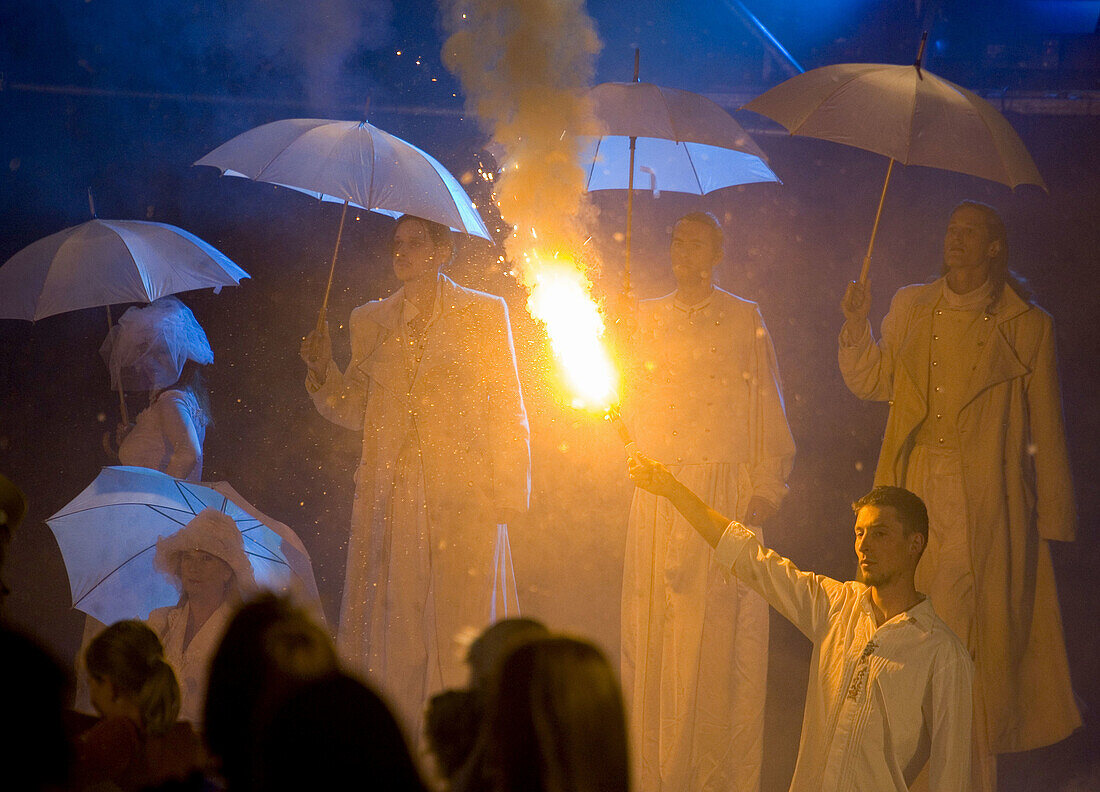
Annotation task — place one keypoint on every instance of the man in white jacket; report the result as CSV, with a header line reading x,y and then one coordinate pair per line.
x,y
432,385
975,428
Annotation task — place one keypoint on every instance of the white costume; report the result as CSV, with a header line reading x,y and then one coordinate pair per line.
x,y
975,428
882,700
445,450
192,662
150,442
694,640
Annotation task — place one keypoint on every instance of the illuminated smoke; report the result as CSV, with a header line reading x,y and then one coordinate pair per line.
x,y
525,66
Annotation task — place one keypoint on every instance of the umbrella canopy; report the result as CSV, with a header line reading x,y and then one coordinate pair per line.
x,y
102,262
108,535
149,346
684,142
353,162
905,113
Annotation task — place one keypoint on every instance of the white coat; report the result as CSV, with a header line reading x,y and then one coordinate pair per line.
x,y
460,412
1018,490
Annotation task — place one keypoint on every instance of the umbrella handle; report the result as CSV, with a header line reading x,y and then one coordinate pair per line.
x,y
874,230
332,268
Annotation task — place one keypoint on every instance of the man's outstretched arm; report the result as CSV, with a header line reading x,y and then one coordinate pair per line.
x,y
654,477
801,597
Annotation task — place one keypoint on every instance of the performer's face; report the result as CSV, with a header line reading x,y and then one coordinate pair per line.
x,y
694,253
203,573
414,254
885,552
968,243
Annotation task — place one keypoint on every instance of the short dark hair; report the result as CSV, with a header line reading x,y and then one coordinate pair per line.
x,y
710,221
909,508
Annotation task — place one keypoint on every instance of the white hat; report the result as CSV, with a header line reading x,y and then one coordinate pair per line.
x,y
212,532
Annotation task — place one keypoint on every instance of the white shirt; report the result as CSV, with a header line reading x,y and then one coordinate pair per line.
x,y
881,700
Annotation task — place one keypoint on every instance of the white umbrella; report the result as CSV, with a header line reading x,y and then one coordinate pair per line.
x,y
108,534
102,262
905,113
349,162
681,140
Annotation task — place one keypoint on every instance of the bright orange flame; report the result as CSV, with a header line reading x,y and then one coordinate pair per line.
x,y
560,299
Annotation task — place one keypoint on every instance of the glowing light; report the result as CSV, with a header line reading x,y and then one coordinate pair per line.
x,y
560,299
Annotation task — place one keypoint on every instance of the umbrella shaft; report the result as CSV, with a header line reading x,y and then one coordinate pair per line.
x,y
629,217
874,230
332,268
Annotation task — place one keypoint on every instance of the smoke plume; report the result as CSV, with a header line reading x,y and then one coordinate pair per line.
x,y
525,66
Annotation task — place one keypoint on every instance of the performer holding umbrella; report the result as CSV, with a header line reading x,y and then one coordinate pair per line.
x,y
432,385
160,349
968,365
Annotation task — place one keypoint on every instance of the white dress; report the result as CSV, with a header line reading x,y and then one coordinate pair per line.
x,y
150,443
694,639
445,451
192,662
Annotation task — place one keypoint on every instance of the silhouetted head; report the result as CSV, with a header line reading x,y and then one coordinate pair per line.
x,y
335,733
555,721
126,665
269,649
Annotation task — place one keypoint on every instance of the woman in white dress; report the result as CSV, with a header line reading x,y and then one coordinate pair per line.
x,y
160,349
206,561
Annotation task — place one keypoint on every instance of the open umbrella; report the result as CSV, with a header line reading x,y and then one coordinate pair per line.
x,y
905,113
349,162
683,141
102,262
108,534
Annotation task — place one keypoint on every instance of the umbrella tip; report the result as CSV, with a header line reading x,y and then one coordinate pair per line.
x,y
91,204
920,54
637,61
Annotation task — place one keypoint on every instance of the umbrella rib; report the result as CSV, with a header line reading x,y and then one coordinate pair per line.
x,y
260,544
362,164
912,116
810,111
123,503
185,493
694,172
592,166
104,579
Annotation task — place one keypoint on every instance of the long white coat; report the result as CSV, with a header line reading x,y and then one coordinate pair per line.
x,y
707,401
1018,490
460,412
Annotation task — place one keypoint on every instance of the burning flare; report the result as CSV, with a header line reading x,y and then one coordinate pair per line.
x,y
560,299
